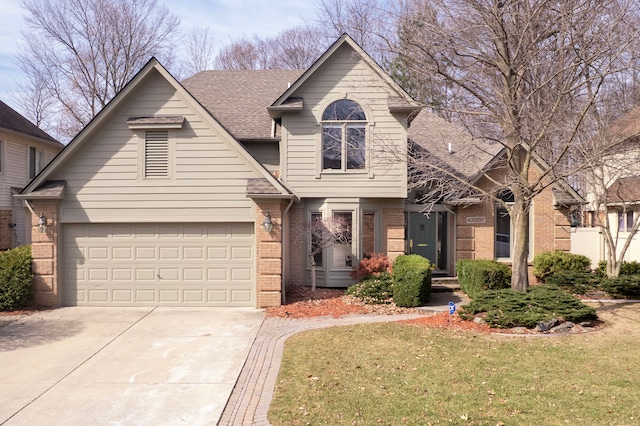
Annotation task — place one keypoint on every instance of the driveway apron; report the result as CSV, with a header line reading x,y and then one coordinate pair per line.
x,y
123,366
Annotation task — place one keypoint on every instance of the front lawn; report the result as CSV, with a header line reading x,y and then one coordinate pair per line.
x,y
393,374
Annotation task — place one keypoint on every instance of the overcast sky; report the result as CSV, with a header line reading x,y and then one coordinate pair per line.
x,y
227,20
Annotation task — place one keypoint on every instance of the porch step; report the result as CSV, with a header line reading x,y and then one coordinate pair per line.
x,y
444,284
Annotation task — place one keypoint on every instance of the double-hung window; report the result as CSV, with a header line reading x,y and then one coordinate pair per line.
x,y
344,136
36,161
625,221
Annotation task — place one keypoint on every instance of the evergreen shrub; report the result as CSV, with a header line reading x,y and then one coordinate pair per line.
x,y
16,279
548,263
375,289
411,277
480,275
508,308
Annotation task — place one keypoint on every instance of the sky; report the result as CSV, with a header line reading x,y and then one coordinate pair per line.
x,y
227,19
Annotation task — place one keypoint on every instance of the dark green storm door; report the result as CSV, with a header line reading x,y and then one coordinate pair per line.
x,y
427,237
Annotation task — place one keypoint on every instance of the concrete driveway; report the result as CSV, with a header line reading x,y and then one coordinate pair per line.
x,y
123,366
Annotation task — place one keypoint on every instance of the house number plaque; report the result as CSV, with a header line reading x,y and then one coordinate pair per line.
x,y
476,219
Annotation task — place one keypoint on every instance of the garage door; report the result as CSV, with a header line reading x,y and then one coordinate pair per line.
x,y
149,265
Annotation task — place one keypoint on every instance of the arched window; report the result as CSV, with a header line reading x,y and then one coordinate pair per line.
x,y
343,136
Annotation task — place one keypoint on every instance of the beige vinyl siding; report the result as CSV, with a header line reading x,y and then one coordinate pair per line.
x,y
344,75
16,165
267,153
207,177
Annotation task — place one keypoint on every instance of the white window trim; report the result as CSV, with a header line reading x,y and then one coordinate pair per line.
x,y
2,155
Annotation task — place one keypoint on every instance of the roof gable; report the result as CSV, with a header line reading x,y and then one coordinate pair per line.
x,y
151,69
401,101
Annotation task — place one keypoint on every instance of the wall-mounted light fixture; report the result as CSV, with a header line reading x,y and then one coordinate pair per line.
x,y
42,223
267,224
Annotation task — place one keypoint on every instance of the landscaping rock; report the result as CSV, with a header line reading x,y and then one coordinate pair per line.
x,y
544,326
519,330
563,328
479,320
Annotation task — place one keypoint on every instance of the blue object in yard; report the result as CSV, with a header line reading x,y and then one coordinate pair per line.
x,y
452,308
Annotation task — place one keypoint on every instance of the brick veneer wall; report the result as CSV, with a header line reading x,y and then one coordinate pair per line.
x,y
551,226
6,232
296,254
268,255
393,232
45,256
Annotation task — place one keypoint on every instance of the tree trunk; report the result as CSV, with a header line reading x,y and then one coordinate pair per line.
x,y
520,256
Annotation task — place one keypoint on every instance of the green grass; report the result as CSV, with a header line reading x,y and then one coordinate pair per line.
x,y
394,374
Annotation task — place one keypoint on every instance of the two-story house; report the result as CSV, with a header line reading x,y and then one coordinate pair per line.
x,y
200,193
24,151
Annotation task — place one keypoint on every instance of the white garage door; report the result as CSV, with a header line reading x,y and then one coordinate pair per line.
x,y
170,264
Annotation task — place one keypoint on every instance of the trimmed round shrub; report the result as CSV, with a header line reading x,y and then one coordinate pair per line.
x,y
549,263
479,275
16,279
373,290
411,280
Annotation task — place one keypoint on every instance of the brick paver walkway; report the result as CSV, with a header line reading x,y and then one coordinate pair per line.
x,y
252,395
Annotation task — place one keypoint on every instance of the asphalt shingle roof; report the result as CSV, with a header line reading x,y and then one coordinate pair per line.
x,y
11,120
468,156
239,99
624,190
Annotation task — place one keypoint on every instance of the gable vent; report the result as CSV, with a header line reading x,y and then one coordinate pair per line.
x,y
156,154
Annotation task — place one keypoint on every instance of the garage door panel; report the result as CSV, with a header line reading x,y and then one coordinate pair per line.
x,y
155,264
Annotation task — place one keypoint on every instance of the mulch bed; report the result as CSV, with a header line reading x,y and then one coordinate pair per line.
x,y
303,303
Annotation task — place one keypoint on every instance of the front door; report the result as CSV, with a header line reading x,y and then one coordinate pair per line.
x,y
428,237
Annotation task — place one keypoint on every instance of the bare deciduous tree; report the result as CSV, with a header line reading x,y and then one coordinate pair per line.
x,y
295,48
525,74
198,53
85,51
324,233
366,21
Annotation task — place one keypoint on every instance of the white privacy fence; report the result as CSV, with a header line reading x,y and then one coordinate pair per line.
x,y
589,242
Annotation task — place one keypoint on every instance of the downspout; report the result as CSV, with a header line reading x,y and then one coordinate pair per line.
x,y
283,268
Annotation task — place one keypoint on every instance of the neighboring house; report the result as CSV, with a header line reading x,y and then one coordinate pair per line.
x,y
613,187
24,151
165,197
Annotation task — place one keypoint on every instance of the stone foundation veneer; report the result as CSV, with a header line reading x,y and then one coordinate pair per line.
x,y
44,255
268,255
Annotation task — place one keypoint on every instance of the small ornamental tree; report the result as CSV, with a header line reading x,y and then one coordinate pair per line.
x,y
324,233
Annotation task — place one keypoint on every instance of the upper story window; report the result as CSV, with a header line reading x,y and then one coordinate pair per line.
x,y
343,136
36,161
625,221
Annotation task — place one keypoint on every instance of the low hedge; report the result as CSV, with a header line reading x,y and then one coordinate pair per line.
x,y
627,268
411,278
16,279
548,263
508,308
477,276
